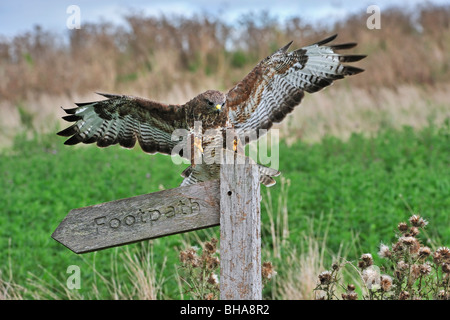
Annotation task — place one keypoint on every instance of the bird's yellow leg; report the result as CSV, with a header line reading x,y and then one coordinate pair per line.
x,y
198,144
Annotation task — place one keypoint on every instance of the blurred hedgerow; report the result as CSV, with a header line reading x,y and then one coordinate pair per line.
x,y
409,271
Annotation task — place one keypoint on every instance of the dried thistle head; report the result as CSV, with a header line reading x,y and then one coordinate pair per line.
x,y
404,295
446,267
414,231
366,261
320,295
325,277
212,262
210,246
402,227
189,256
352,295
213,279
335,266
424,252
384,251
402,265
442,295
183,257
417,221
410,242
385,282
425,269
415,271
210,296
370,276
397,247
267,270
443,254
367,257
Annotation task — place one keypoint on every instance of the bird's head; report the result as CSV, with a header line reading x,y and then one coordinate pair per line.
x,y
211,102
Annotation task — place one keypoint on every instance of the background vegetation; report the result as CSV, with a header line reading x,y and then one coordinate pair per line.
x,y
356,158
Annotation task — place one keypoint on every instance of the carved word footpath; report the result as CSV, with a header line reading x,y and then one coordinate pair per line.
x,y
142,217
150,216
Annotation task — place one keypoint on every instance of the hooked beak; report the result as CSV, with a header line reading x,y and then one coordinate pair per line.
x,y
218,107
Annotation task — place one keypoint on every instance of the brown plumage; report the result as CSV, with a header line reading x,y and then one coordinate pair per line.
x,y
265,96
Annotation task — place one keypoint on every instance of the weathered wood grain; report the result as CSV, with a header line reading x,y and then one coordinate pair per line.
x,y
240,237
142,217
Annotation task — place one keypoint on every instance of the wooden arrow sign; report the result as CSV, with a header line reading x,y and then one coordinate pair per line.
x,y
142,217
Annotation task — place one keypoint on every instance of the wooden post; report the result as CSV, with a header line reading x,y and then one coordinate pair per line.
x,y
233,202
240,226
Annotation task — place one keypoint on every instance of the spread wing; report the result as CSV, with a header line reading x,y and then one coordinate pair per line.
x,y
125,120
277,84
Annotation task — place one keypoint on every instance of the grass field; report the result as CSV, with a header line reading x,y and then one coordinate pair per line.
x,y
351,194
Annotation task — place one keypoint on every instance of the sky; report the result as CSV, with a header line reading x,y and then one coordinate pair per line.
x,y
19,16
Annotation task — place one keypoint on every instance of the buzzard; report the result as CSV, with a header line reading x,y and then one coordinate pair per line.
x,y
265,96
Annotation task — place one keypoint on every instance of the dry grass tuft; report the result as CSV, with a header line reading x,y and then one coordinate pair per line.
x,y
146,278
9,290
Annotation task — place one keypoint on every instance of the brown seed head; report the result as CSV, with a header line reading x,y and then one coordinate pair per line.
x,y
414,231
408,241
385,283
212,262
267,270
442,295
404,295
209,296
366,261
350,296
402,226
212,279
402,265
418,221
425,269
384,251
444,253
210,247
325,277
424,252
415,271
183,256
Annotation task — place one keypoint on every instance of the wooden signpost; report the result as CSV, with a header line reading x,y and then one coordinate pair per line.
x,y
233,201
240,232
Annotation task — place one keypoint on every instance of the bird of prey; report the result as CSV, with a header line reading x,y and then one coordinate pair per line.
x,y
265,96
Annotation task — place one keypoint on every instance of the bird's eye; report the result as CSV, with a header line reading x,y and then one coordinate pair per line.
x,y
210,103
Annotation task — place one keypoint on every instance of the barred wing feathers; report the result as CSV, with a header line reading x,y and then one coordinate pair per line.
x,y
277,84
124,120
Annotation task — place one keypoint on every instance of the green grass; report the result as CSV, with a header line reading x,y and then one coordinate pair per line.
x,y
367,185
